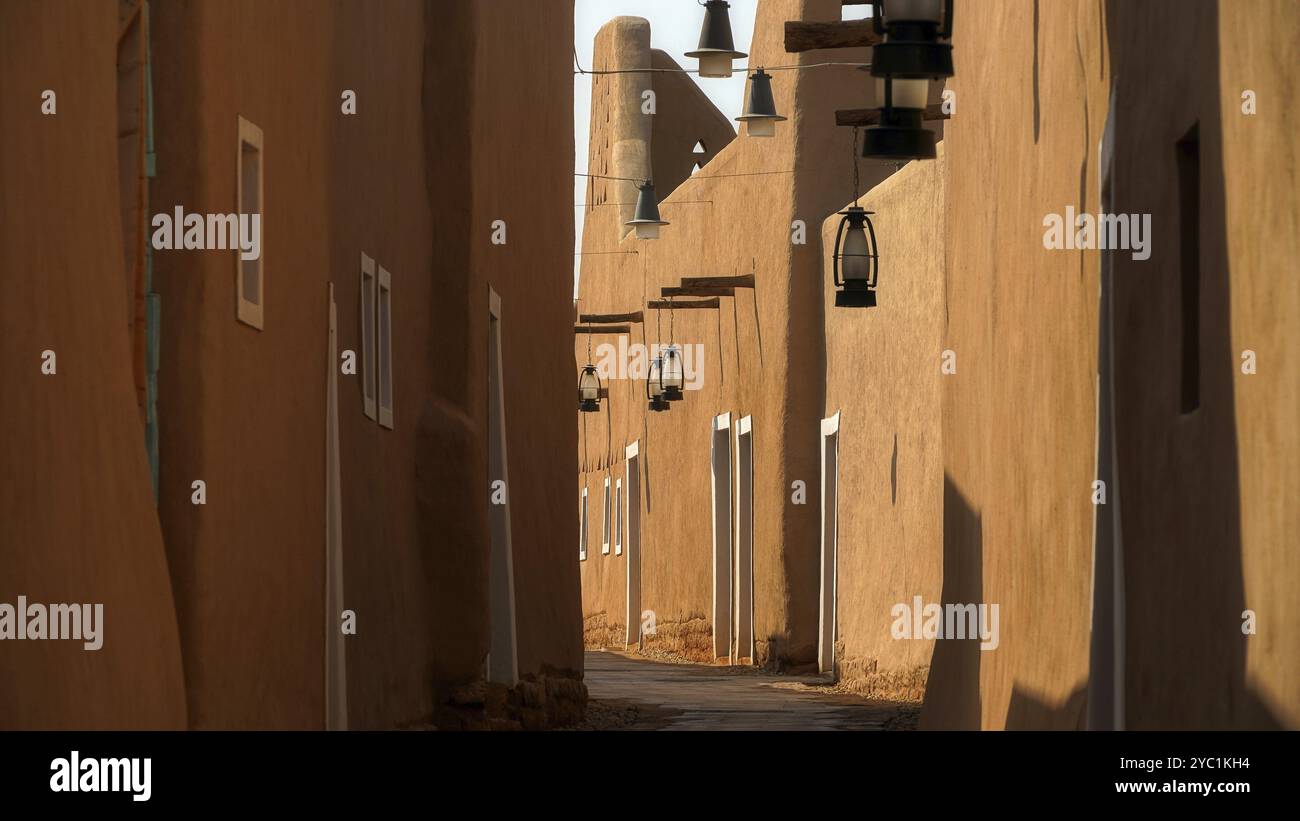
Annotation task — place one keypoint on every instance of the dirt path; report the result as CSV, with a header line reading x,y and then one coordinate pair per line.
x,y
629,693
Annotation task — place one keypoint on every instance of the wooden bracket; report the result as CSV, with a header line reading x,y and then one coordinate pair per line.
x,y
630,316
667,292
602,329
802,36
871,116
664,305
742,281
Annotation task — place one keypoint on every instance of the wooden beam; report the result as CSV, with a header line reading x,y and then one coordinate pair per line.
x,y
602,329
801,36
630,316
667,292
663,304
742,281
871,116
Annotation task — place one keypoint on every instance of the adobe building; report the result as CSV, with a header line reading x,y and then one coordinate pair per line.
x,y
952,438
415,490
723,564
975,484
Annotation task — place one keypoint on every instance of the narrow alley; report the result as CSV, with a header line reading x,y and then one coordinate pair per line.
x,y
628,693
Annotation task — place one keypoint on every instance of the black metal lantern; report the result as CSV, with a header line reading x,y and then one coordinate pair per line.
x,y
654,386
901,134
671,374
646,219
855,262
589,390
760,117
912,32
910,55
716,49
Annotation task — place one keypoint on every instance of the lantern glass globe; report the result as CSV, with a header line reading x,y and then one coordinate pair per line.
x,y
855,262
907,93
929,11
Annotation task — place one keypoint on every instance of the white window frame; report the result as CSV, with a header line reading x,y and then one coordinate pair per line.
x,y
369,288
384,341
618,517
604,527
582,526
249,312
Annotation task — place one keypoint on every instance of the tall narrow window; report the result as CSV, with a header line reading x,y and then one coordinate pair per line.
x,y
367,303
582,526
385,343
1189,260
248,278
618,517
604,515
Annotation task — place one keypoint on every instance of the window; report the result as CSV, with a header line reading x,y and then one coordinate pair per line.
x,y
385,344
582,526
618,517
248,272
1189,259
604,547
367,303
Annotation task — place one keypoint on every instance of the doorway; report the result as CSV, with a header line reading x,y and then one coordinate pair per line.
x,y
721,452
636,625
829,533
743,616
502,660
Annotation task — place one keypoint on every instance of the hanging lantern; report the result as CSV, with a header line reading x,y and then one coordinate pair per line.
x,y
672,375
901,134
910,55
716,49
912,31
589,390
760,117
646,219
654,386
855,263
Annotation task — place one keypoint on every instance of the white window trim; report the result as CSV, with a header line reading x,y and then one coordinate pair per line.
x,y
248,312
582,526
828,598
618,517
384,333
605,523
369,384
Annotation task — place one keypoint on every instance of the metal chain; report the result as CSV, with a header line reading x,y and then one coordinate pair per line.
x,y
854,156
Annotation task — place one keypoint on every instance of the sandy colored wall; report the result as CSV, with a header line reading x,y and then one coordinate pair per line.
x,y
684,117
758,358
1208,495
406,183
883,378
75,498
1019,414
1261,166
239,408
524,177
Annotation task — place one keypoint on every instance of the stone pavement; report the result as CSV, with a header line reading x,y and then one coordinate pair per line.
x,y
700,697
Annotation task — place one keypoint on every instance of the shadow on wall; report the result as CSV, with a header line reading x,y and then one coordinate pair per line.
x,y
1175,412
957,663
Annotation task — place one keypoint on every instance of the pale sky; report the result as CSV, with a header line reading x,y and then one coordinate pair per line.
x,y
674,28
